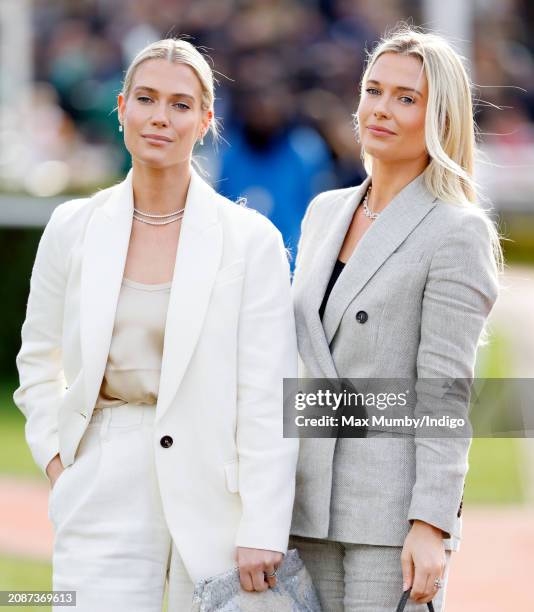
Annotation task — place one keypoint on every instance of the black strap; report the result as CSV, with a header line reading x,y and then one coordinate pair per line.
x,y
404,599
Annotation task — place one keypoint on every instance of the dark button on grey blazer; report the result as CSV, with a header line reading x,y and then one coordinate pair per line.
x,y
361,316
411,302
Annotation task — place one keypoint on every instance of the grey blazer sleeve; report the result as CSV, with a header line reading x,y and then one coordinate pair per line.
x,y
460,291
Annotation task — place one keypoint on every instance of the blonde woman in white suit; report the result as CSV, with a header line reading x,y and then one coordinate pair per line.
x,y
158,331
394,280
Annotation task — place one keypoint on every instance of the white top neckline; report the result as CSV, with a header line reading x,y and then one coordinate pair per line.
x,y
146,286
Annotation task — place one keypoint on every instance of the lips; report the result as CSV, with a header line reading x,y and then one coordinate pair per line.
x,y
380,130
156,137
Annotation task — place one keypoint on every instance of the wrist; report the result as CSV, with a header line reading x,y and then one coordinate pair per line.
x,y
423,526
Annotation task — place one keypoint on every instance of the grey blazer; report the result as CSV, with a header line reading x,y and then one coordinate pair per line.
x,y
425,276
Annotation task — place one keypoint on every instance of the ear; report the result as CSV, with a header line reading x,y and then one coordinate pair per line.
x,y
121,103
206,121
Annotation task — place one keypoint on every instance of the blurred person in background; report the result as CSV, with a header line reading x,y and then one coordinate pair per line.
x,y
275,162
158,330
394,279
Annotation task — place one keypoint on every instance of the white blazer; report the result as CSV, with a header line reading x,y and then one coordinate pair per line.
x,y
228,478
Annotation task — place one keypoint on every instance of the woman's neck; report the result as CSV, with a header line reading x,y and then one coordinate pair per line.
x,y
160,191
388,179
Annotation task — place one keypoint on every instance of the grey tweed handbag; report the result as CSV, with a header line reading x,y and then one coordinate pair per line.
x,y
294,591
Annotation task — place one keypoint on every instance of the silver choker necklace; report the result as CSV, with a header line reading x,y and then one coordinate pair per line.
x,y
366,211
141,216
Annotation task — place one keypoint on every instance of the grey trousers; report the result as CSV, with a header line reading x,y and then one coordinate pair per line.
x,y
359,577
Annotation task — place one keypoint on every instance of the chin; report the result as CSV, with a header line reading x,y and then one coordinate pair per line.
x,y
153,161
383,153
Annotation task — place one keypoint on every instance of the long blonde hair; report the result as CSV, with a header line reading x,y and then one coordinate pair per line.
x,y
182,52
449,124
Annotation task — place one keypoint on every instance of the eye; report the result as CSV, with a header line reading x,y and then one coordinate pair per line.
x,y
407,100
372,91
144,99
182,106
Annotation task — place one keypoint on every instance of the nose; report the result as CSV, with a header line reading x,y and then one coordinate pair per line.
x,y
381,108
159,116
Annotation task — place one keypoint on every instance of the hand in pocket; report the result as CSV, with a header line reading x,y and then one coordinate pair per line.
x,y
54,470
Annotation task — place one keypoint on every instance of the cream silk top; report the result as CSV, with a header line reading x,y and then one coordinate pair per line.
x,y
134,363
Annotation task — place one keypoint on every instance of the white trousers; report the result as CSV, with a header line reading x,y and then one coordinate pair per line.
x,y
112,544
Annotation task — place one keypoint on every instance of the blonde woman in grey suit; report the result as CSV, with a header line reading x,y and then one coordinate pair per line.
x,y
394,278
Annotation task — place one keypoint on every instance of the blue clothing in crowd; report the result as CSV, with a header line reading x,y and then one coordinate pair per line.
x,y
278,180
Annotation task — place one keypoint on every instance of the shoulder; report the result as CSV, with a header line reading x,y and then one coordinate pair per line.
x,y
69,220
468,243
462,222
248,222
328,201
325,206
251,236
78,210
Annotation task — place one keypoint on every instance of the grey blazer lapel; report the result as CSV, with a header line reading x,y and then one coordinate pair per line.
x,y
407,209
318,275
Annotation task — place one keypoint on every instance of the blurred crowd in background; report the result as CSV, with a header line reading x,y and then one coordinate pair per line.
x,y
288,74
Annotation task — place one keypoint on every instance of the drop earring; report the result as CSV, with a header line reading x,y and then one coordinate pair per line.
x,y
201,140
120,127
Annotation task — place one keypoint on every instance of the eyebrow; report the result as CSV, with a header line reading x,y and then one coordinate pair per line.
x,y
398,88
155,91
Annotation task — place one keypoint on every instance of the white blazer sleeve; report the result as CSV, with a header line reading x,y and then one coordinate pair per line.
x,y
267,353
39,360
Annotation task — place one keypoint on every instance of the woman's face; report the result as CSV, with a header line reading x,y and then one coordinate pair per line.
x,y
162,116
391,113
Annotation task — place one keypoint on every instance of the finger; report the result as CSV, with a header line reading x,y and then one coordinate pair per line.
x,y
430,590
54,480
407,571
271,580
259,582
246,580
419,584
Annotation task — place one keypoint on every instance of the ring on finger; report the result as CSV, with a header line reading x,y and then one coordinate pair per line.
x,y
438,583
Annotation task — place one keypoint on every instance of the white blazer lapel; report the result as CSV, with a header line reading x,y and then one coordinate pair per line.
x,y
197,262
104,256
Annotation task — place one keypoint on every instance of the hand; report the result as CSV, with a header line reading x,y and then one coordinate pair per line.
x,y
254,564
54,469
423,560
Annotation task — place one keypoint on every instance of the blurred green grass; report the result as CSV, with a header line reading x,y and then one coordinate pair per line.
x,y
23,575
495,464
494,475
15,456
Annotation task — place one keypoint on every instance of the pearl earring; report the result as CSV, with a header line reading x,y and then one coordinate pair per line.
x,y
201,140
120,127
